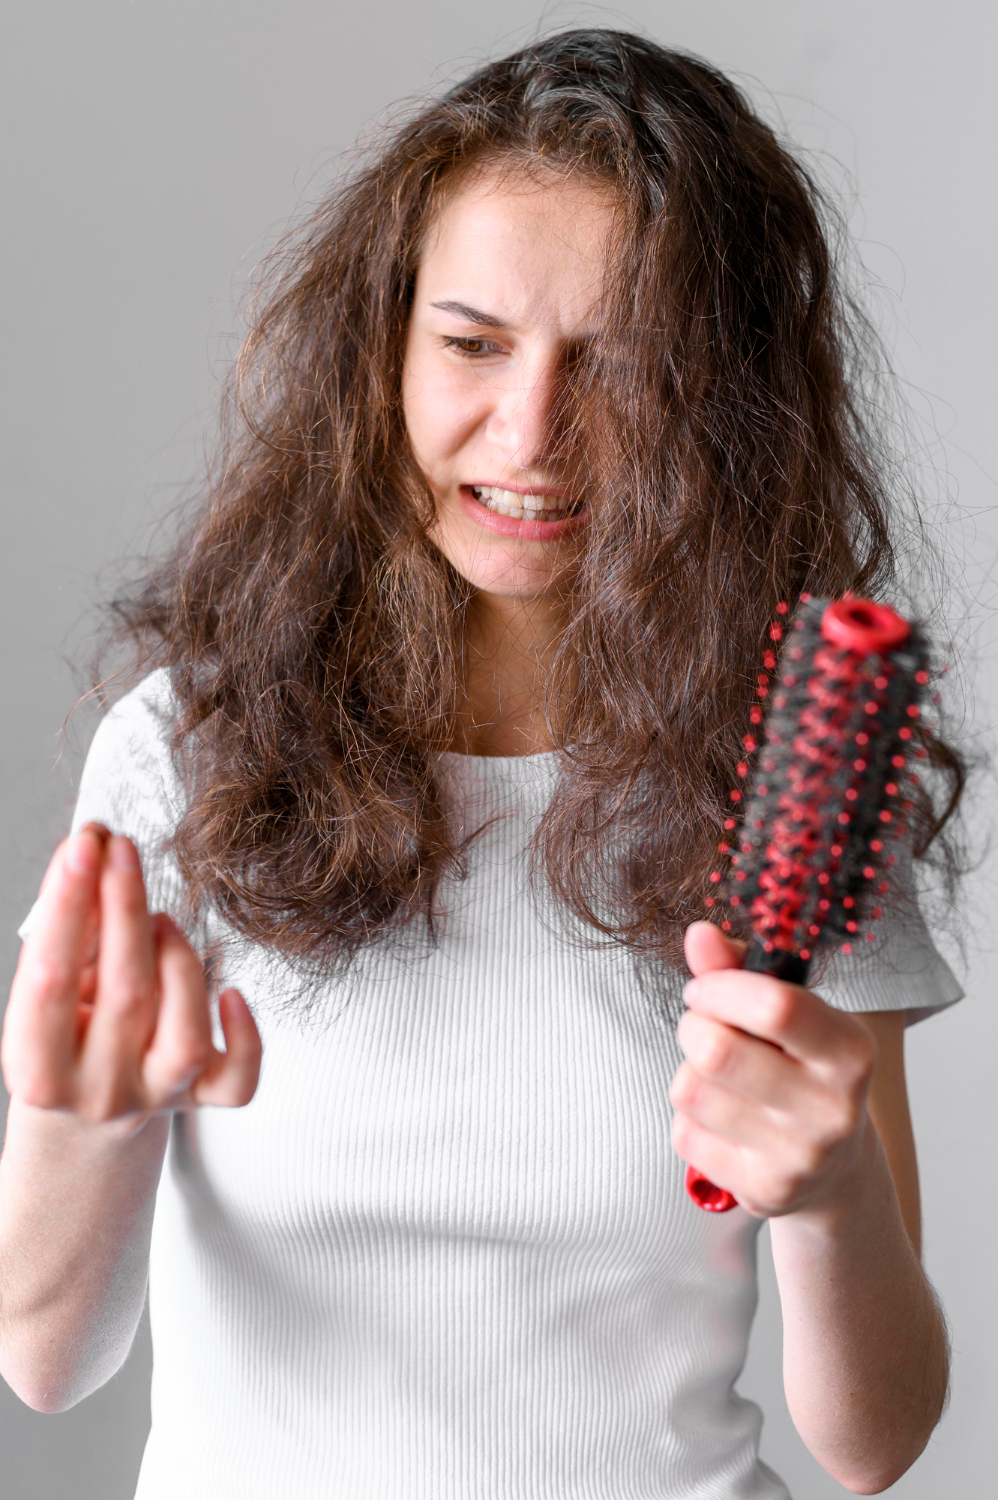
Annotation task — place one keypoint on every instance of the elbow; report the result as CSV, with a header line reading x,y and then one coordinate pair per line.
x,y
41,1396
879,1475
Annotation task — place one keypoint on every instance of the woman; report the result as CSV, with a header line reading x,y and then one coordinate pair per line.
x,y
551,405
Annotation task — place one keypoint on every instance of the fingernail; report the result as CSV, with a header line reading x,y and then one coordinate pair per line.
x,y
690,990
121,854
82,853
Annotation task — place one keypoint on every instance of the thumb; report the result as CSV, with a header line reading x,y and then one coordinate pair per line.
x,y
707,947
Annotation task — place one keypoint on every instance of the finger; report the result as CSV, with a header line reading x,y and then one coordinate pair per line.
x,y
732,1118
181,1048
750,1067
706,947
40,1032
785,1014
231,1079
125,1014
718,1160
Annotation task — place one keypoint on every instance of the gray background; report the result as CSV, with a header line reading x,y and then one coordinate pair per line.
x,y
153,151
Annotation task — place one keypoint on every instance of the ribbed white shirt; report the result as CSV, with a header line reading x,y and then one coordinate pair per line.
x,y
445,1253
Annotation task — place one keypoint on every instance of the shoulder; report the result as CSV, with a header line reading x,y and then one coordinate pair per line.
x,y
131,753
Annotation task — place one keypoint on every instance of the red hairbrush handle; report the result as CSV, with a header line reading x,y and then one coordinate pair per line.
x,y
705,1195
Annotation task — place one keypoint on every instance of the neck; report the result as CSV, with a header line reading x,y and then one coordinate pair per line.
x,y
508,649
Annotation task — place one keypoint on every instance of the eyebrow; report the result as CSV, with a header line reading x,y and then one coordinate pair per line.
x,y
471,314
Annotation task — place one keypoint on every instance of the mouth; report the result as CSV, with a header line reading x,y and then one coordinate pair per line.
x,y
545,507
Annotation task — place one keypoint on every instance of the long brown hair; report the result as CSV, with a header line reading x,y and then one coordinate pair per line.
x,y
315,633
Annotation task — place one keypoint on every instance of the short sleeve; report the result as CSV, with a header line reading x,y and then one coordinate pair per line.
x,y
900,969
130,784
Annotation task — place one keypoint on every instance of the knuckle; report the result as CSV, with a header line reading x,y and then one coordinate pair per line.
x,y
49,975
780,1007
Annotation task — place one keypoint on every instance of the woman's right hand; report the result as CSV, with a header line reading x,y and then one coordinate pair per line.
x,y
109,1015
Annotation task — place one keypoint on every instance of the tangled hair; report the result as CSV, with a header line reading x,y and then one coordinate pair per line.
x,y
314,631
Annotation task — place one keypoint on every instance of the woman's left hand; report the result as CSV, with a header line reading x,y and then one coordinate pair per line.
x,y
771,1100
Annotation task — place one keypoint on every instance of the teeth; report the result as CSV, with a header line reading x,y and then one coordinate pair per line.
x,y
516,506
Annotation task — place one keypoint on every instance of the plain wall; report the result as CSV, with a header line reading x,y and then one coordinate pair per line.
x,y
152,152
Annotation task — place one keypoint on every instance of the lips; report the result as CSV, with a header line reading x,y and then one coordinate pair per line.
x,y
542,517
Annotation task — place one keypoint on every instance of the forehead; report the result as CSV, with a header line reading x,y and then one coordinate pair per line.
x,y
523,245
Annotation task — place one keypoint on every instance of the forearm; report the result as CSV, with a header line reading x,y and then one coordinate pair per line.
x,y
76,1207
865,1352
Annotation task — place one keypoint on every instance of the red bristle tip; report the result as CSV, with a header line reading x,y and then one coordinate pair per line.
x,y
848,902
844,819
920,753
903,734
805,954
740,875
768,945
736,900
776,632
891,789
913,710
886,817
876,845
813,931
783,608
870,708
877,911
892,859
806,598
780,702
762,678
897,761
796,652
863,738
763,791
823,877
735,795
741,769
836,850
748,741
883,888
725,926
868,872
729,823
922,677
880,683
859,765
852,927
824,904
709,901
715,877
851,794
937,699
769,661
755,717
846,948
724,848
870,938
790,680
762,692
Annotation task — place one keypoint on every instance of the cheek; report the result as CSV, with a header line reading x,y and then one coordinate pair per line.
x,y
441,414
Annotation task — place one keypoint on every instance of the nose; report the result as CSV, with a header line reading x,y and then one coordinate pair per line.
x,y
519,422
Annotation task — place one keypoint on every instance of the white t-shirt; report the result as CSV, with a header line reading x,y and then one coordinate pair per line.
x,y
445,1253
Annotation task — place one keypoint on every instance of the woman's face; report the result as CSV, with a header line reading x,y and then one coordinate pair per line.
x,y
508,284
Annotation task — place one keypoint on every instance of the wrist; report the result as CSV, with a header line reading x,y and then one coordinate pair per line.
x,y
862,1185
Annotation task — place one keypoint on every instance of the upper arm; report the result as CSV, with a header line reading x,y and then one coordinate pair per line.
x,y
888,1109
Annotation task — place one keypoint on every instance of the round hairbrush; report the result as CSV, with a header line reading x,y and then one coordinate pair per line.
x,y
826,797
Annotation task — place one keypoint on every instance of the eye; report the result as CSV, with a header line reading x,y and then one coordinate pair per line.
x,y
472,348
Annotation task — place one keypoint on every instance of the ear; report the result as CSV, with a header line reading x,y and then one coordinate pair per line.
x,y
707,947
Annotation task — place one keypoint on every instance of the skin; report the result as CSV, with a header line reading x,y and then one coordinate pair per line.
x,y
798,1109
